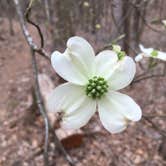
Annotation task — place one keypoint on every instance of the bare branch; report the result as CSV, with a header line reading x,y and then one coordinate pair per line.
x,y
27,15
162,133
147,77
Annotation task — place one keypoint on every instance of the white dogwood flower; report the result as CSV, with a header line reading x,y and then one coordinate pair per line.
x,y
150,52
92,85
164,22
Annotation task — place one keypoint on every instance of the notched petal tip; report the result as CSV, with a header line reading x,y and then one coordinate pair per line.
x,y
82,54
74,39
53,56
67,69
77,44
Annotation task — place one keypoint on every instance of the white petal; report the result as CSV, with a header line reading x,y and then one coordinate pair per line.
x,y
123,74
139,57
82,53
161,55
111,119
164,22
104,63
147,51
81,116
64,66
125,105
66,97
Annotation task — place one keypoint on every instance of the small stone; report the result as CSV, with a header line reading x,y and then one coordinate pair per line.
x,y
86,4
34,143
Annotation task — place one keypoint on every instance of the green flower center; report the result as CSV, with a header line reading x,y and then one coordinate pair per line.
x,y
154,53
96,87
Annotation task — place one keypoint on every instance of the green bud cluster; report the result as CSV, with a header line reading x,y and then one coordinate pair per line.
x,y
96,87
121,54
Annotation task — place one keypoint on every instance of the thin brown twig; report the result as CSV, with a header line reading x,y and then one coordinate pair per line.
x,y
148,77
142,77
27,15
61,148
154,116
26,33
109,45
162,133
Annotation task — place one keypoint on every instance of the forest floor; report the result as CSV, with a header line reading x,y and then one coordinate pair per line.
x,y
22,128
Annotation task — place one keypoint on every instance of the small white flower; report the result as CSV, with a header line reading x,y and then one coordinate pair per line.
x,y
150,52
98,26
92,84
164,22
86,4
116,48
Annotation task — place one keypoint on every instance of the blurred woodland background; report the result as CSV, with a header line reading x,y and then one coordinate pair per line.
x,y
49,23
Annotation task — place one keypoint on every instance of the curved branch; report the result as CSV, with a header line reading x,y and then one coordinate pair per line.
x,y
141,77
27,16
26,33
